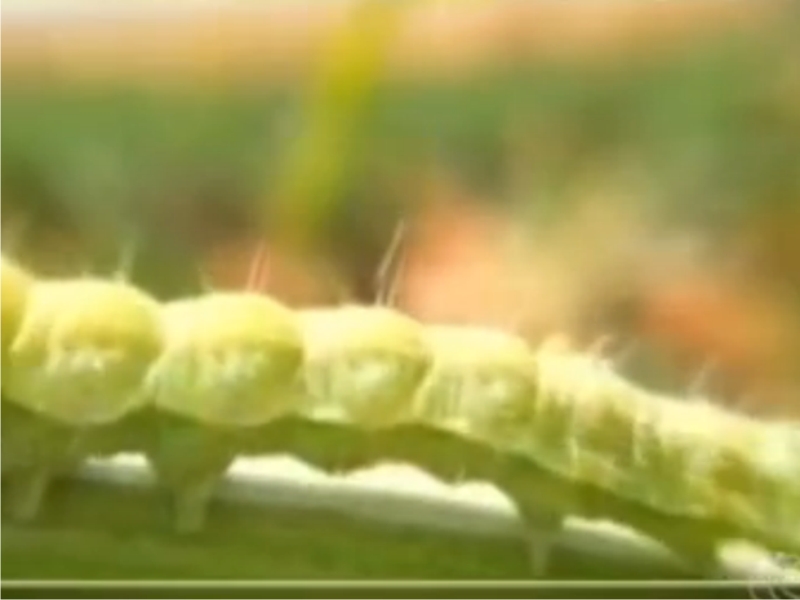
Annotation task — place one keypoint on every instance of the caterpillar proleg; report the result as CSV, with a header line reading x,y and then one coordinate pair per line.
x,y
206,379
229,365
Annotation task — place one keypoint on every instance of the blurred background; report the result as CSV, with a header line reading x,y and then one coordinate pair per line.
x,y
626,173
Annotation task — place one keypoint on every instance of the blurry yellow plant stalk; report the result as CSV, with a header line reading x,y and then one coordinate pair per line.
x,y
350,68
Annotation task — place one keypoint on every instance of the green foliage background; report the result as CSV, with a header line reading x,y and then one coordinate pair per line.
x,y
714,127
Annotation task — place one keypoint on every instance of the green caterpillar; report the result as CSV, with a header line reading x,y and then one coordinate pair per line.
x,y
197,382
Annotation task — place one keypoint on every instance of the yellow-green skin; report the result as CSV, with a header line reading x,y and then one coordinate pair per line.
x,y
16,284
482,384
229,359
363,365
83,349
683,458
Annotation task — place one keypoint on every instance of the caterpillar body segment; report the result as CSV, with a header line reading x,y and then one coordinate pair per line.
x,y
77,363
228,360
592,426
83,350
230,364
482,384
364,365
360,376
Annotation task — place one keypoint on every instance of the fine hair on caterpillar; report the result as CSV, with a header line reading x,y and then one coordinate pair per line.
x,y
96,366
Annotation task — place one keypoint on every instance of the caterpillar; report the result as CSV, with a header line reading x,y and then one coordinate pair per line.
x,y
95,367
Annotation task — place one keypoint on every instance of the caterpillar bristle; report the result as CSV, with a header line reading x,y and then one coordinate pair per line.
x,y
126,261
389,269
699,387
258,276
94,367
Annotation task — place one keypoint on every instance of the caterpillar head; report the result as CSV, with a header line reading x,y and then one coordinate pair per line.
x,y
363,364
230,359
482,384
16,285
82,350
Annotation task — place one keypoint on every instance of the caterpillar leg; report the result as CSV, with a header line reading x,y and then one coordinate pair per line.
x,y
543,501
699,555
17,444
542,530
27,490
190,505
189,500
189,459
35,449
